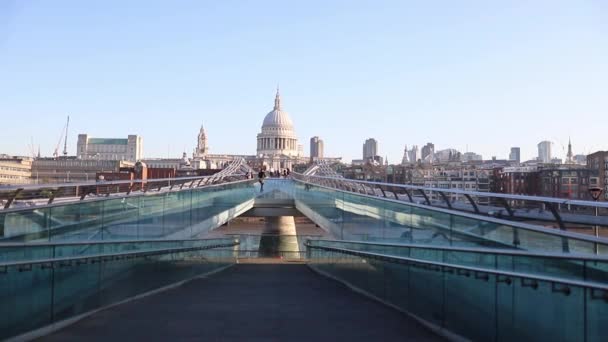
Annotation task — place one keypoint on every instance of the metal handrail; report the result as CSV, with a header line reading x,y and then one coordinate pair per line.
x,y
99,183
103,256
104,242
512,252
443,266
119,196
526,226
474,193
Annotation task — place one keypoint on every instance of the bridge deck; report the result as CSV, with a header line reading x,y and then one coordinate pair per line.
x,y
251,302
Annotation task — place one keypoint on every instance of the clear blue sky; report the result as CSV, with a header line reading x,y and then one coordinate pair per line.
x,y
482,74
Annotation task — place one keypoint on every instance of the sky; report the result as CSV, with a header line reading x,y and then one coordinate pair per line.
x,y
478,76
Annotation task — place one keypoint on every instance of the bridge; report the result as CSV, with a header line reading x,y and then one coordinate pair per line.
x,y
311,257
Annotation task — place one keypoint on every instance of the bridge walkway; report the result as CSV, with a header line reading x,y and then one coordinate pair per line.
x,y
251,302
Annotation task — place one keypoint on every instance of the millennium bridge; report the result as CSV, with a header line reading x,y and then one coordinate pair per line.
x,y
310,257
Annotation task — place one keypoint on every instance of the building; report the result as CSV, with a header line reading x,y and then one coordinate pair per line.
x,y
414,154
471,156
598,162
410,156
428,152
130,149
15,170
316,148
544,152
446,155
519,180
515,155
406,157
370,149
566,182
569,155
202,147
72,169
580,159
277,143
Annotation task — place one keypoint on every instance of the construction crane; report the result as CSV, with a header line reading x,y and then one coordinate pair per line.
x,y
64,136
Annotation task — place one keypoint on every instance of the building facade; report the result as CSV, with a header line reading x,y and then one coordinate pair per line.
x,y
202,147
316,148
570,183
129,149
277,143
71,169
544,152
515,155
370,149
598,162
519,180
15,170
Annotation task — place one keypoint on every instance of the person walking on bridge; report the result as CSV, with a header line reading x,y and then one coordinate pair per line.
x,y
261,176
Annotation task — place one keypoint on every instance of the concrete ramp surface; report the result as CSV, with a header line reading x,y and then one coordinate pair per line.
x,y
251,302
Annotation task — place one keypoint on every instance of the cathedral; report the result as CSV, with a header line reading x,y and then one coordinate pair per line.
x,y
277,144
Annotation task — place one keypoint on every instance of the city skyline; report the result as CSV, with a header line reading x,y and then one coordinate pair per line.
x,y
345,76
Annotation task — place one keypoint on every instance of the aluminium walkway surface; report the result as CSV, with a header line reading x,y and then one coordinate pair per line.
x,y
251,302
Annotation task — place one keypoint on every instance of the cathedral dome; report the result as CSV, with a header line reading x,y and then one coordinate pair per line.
x,y
277,118
278,137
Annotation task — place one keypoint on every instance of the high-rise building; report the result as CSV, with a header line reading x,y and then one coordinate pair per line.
x,y
515,154
428,152
414,154
370,149
544,151
130,149
316,148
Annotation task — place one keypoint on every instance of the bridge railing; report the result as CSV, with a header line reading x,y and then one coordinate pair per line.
x,y
477,303
356,216
34,195
579,267
580,216
181,212
37,292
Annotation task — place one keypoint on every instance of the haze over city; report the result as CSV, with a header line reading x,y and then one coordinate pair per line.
x,y
473,76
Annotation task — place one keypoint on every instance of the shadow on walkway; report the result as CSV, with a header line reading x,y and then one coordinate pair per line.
x,y
251,302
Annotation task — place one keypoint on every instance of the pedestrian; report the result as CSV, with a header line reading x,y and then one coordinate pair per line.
x,y
261,176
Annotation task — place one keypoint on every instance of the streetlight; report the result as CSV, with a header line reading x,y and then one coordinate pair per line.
x,y
595,193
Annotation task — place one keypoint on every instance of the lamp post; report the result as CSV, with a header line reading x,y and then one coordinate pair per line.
x,y
595,193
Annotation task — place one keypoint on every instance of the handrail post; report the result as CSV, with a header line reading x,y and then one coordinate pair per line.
x,y
53,194
475,207
445,198
409,195
383,193
560,223
426,197
12,198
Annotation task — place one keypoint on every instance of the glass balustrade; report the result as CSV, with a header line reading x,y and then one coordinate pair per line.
x,y
81,278
178,214
480,304
351,216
